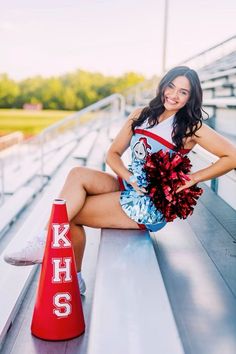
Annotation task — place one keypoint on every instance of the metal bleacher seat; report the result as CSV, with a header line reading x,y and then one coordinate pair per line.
x,y
20,175
221,102
197,261
14,180
54,161
131,312
85,146
14,205
21,191
98,151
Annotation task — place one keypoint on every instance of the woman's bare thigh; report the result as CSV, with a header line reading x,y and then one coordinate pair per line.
x,y
104,211
94,181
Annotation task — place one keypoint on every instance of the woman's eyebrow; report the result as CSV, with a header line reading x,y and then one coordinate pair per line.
x,y
180,88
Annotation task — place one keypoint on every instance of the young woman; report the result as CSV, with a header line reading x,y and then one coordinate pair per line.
x,y
172,120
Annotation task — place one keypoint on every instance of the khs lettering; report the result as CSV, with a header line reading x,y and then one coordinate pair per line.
x,y
59,236
61,302
61,270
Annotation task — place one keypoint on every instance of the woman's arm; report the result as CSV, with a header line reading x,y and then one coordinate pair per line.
x,y
118,147
215,143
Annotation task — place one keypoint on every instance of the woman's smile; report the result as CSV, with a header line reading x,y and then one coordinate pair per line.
x,y
170,101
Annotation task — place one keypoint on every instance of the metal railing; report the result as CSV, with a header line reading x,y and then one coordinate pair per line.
x,y
10,139
211,54
56,136
141,93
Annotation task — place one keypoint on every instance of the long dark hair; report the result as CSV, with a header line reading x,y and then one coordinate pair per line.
x,y
188,119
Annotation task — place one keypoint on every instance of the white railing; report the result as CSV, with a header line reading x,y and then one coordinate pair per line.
x,y
2,181
211,54
142,93
10,139
69,129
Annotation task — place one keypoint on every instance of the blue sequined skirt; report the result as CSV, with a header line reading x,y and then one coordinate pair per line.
x,y
141,209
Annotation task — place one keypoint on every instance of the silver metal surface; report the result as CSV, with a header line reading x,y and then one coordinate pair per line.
x,y
131,313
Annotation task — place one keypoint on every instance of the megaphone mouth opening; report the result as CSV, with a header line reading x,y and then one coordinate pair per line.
x,y
59,201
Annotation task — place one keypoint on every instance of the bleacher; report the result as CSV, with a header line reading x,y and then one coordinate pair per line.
x,y
218,79
169,292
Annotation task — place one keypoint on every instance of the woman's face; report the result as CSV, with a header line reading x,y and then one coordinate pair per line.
x,y
177,94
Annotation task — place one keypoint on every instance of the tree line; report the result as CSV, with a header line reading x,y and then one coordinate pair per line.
x,y
71,91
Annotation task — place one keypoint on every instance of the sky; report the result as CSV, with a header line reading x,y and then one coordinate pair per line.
x,y
53,37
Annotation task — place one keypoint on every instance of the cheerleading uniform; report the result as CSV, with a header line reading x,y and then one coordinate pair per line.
x,y
144,142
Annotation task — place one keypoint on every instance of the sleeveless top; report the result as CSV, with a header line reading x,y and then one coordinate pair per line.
x,y
144,142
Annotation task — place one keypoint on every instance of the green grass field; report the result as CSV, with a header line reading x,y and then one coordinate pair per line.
x,y
28,122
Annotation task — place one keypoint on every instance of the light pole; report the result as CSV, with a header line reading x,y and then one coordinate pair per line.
x,y
165,37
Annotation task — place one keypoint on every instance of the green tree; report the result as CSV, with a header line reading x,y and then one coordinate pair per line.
x,y
69,99
127,80
9,91
72,91
52,93
31,91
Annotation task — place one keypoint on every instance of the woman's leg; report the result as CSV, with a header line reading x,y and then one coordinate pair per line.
x,y
104,211
78,240
98,211
83,181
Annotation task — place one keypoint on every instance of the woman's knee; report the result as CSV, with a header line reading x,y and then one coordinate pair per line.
x,y
77,174
73,223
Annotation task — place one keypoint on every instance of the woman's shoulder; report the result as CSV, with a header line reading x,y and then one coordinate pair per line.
x,y
136,113
190,141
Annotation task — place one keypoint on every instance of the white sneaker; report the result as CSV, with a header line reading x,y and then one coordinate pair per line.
x,y
32,253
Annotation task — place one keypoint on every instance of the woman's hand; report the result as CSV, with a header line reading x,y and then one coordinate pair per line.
x,y
139,190
187,184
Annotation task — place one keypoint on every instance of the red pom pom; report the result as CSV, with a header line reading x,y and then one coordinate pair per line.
x,y
166,172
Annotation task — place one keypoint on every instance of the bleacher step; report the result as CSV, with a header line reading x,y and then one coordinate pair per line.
x,y
131,313
24,174
203,304
98,150
85,145
14,205
55,160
